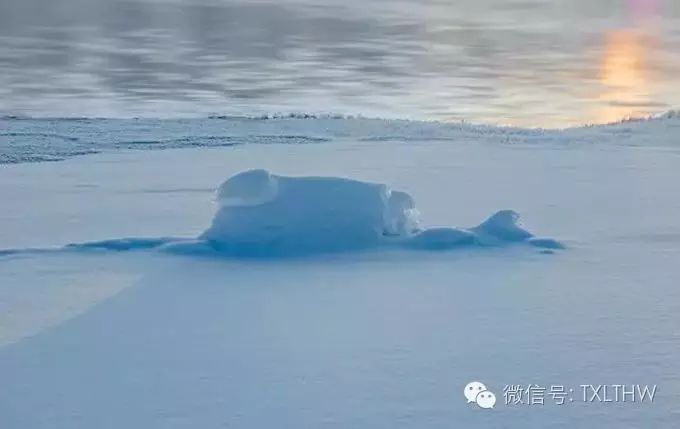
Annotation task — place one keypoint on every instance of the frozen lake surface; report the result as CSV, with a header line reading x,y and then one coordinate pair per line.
x,y
379,338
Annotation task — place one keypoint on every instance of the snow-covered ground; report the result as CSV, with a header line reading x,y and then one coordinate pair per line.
x,y
368,338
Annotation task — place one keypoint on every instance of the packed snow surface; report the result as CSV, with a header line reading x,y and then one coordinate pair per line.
x,y
103,328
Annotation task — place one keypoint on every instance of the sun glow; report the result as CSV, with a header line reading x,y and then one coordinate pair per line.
x,y
624,75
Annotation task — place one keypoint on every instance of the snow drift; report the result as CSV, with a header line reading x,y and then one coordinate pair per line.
x,y
265,215
261,213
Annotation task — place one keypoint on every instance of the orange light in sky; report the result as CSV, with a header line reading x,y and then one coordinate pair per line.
x,y
623,60
624,75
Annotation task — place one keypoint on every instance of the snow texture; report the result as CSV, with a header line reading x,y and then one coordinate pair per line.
x,y
265,215
100,335
30,140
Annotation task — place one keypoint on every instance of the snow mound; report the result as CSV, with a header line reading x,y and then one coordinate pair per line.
x,y
261,213
264,214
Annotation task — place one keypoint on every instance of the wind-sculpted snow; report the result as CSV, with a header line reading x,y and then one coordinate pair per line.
x,y
260,214
263,214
